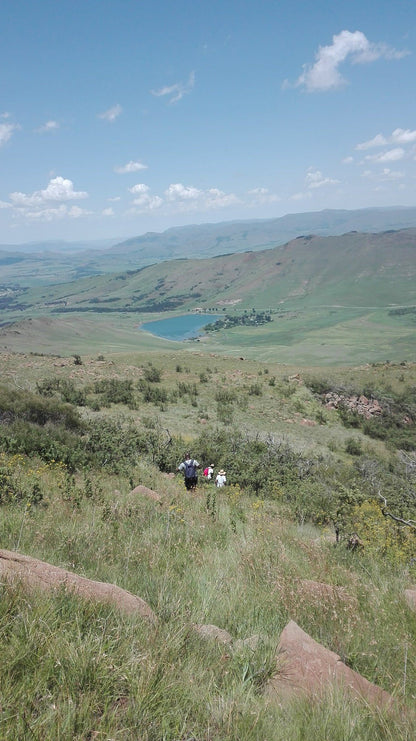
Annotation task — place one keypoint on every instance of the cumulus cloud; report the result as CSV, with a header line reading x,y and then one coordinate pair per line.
x,y
377,141
179,192
177,91
58,189
386,175
324,73
179,198
144,201
189,198
6,130
47,127
315,179
107,211
392,155
262,196
50,203
131,166
52,214
111,114
403,136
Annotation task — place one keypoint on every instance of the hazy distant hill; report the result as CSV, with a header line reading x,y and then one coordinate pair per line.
x,y
207,240
53,262
59,245
362,270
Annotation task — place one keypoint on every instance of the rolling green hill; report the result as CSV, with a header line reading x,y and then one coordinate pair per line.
x,y
326,296
58,262
355,270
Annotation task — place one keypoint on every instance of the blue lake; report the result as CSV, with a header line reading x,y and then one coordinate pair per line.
x,y
179,327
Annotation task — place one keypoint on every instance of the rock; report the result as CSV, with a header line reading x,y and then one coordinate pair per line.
x,y
410,595
36,574
319,592
305,667
144,491
252,643
211,632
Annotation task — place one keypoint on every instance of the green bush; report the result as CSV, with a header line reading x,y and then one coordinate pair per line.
x,y
152,374
17,404
115,391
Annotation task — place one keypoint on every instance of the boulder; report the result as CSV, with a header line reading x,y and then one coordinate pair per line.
x,y
319,592
306,667
35,574
146,492
410,595
211,632
252,643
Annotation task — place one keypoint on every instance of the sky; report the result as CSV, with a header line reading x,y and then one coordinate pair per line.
x,y
119,117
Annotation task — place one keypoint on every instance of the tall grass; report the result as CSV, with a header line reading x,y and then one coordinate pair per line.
x,y
75,670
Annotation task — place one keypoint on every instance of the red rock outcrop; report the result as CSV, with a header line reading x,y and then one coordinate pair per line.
x,y
35,574
307,667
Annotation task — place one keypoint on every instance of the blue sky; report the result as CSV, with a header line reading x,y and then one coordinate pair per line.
x,y
121,117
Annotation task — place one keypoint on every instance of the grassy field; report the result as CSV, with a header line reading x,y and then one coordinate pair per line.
x,y
313,337
232,558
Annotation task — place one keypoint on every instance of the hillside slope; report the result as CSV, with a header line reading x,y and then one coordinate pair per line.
x,y
354,269
51,262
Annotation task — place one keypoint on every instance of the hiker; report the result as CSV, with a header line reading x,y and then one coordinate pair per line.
x,y
220,479
189,466
208,471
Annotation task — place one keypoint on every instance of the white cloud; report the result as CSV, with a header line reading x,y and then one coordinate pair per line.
x,y
130,167
3,204
144,201
347,160
6,131
315,179
261,196
139,188
215,198
392,155
403,136
179,198
47,127
111,114
176,91
40,205
108,211
324,73
300,196
114,200
188,198
388,174
385,175
58,189
52,214
377,141
179,192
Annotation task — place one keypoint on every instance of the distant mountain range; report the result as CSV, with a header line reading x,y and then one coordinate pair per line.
x,y
52,262
352,270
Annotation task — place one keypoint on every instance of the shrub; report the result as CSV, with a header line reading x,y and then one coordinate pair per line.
x,y
353,446
24,405
115,391
255,389
152,374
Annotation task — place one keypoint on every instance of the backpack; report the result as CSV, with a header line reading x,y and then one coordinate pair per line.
x,y
205,471
190,470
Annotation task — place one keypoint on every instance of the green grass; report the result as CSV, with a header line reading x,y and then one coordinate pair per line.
x,y
76,670
71,669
